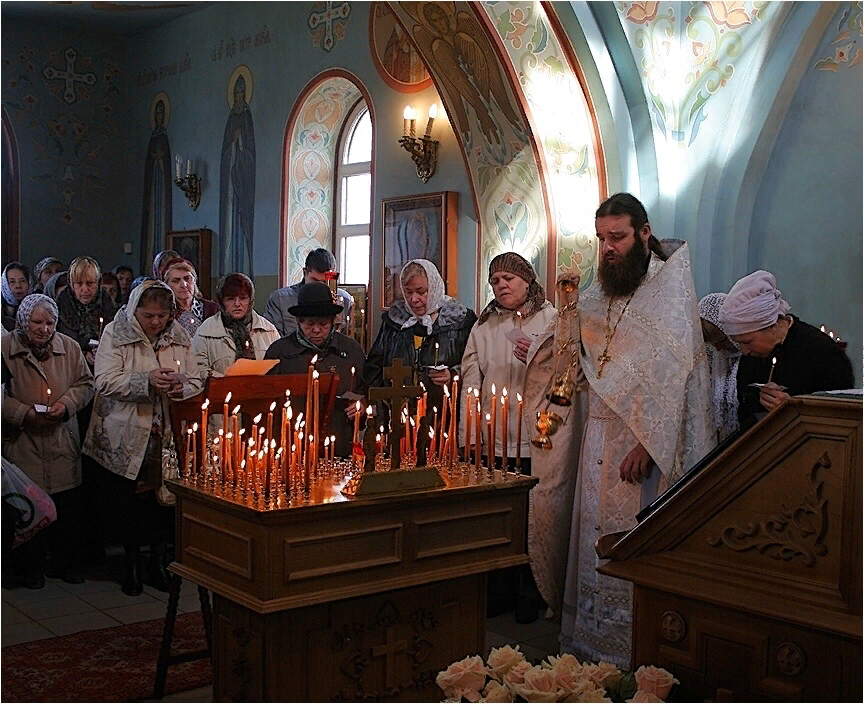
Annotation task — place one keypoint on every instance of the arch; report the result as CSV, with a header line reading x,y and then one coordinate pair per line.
x,y
11,204
308,165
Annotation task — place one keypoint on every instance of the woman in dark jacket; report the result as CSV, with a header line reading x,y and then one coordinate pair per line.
x,y
427,329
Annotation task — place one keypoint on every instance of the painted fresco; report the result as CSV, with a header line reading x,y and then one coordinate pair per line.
x,y
156,212
237,179
395,55
327,23
311,167
847,42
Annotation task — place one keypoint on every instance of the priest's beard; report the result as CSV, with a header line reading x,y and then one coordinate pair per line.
x,y
622,277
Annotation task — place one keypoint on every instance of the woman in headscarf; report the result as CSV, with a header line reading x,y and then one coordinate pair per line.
x,y
427,329
141,353
42,441
192,308
111,285
316,338
723,358
125,276
43,271
85,309
755,316
236,331
56,284
160,260
14,286
496,355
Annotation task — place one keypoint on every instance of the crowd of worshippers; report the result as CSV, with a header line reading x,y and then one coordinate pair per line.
x,y
115,349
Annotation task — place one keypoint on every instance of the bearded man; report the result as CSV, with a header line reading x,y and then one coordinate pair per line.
x,y
643,358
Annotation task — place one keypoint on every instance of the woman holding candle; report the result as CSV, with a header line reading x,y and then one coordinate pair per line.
x,y
428,330
130,433
316,338
807,360
82,304
44,443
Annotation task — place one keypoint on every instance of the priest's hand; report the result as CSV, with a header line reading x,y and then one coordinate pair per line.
x,y
636,465
521,349
439,378
772,395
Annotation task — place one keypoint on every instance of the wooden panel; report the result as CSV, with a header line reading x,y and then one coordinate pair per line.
x,y
219,546
337,553
448,535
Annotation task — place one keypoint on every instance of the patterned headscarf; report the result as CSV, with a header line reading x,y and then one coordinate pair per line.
x,y
239,330
9,297
22,321
724,371
753,303
435,295
516,264
61,278
36,282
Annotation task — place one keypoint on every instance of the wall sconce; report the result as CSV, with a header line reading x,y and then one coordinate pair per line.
x,y
423,150
189,184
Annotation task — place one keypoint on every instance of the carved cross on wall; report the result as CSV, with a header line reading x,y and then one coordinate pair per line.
x,y
69,76
326,18
396,373
389,650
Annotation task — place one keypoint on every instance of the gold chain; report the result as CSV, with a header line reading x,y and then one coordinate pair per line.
x,y
603,358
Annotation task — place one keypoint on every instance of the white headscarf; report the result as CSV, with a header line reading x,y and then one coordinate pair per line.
x,y
724,371
435,295
753,303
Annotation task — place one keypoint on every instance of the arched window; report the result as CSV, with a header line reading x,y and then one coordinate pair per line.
x,y
352,234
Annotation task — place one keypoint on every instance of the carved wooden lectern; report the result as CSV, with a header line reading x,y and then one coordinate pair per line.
x,y
747,578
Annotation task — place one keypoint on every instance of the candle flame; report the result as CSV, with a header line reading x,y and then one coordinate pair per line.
x,y
215,441
236,409
195,428
272,444
504,392
493,389
221,432
446,392
412,422
189,430
205,405
488,417
434,409
822,328
287,392
773,360
381,428
352,370
436,345
519,397
503,399
378,437
315,374
476,393
257,419
49,392
314,359
272,406
431,433
290,413
251,442
326,442
229,435
357,406
228,398
242,430
332,438
455,378
368,410
242,464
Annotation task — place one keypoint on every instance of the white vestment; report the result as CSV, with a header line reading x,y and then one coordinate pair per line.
x,y
653,391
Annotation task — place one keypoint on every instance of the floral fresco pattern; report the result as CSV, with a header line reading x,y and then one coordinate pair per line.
x,y
311,164
327,23
847,43
69,123
687,52
562,124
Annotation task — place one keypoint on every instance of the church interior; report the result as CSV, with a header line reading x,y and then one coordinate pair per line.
x,y
243,135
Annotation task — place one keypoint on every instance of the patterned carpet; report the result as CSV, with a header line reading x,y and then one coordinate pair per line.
x,y
109,665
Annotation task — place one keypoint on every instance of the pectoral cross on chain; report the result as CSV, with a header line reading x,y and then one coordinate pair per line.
x,y
601,361
397,373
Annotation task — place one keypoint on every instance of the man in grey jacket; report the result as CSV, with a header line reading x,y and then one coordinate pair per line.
x,y
319,262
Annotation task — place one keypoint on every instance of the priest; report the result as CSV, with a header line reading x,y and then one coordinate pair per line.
x,y
644,362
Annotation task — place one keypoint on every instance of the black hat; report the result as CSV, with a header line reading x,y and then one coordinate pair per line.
x,y
315,300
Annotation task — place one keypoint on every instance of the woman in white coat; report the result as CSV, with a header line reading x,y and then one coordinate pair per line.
x,y
144,359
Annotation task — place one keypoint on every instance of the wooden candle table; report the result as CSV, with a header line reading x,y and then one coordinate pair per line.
x,y
332,598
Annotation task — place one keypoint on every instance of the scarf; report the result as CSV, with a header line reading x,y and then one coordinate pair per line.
x,y
321,350
8,297
753,303
22,321
723,367
534,301
435,295
52,283
191,319
84,319
239,330
39,268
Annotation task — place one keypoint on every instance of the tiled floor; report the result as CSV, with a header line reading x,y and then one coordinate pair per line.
x,y
61,609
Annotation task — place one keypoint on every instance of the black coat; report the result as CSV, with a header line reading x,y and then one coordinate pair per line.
x,y
807,361
342,354
450,330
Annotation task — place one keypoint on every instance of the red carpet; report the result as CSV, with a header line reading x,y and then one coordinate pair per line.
x,y
109,665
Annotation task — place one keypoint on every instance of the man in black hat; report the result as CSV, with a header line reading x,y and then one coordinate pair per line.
x,y
316,336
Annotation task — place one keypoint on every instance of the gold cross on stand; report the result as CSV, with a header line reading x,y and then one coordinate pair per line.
x,y
396,373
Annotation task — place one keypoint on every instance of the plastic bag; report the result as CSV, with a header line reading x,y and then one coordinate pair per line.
x,y
31,505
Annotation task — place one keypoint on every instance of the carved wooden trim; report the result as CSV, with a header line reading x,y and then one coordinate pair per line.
x,y
673,626
244,571
789,533
790,659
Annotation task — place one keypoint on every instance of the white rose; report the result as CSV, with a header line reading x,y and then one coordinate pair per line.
x,y
655,680
502,660
539,685
464,678
642,696
496,692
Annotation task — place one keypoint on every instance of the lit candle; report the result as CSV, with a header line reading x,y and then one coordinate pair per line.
x,y
224,425
188,456
332,448
443,427
269,437
494,408
773,364
177,160
48,400
505,430
432,445
477,433
194,451
519,319
453,427
352,379
433,113
822,328
469,415
519,434
490,452
237,445
436,353
316,418
326,449
406,120
204,407
101,327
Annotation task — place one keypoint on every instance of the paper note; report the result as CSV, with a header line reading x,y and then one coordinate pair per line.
x,y
515,335
251,367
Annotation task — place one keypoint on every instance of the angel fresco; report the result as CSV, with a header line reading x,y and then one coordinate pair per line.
x,y
458,44
237,178
156,210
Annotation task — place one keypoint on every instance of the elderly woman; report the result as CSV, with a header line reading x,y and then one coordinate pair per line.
x,y
144,359
125,276
755,316
40,432
160,260
316,336
56,284
235,332
427,329
110,284
43,271
723,359
84,307
15,285
192,309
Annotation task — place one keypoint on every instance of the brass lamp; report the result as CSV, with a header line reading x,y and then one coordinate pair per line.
x,y
423,150
190,184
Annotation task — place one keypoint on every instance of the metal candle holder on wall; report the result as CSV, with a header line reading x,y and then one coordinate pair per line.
x,y
423,150
191,187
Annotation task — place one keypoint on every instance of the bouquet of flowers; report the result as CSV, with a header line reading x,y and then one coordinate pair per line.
x,y
508,677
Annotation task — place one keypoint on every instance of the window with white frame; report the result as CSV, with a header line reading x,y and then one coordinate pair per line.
x,y
353,198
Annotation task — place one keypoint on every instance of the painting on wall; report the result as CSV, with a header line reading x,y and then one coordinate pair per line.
x,y
395,56
156,211
419,227
355,327
237,178
327,23
194,245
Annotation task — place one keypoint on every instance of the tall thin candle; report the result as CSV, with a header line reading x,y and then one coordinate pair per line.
x,y
519,434
469,415
316,420
505,429
443,428
477,434
224,430
490,453
204,407
493,407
